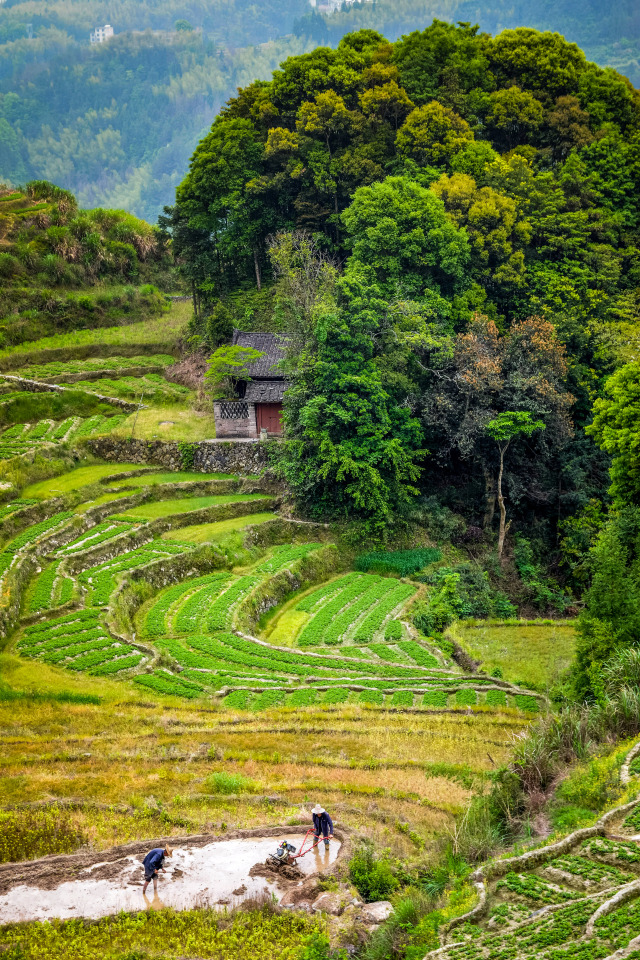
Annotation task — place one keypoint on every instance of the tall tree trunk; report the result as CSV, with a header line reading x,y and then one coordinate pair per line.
x,y
503,512
256,264
490,498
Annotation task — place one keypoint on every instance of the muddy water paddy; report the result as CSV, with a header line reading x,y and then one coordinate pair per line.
x,y
213,874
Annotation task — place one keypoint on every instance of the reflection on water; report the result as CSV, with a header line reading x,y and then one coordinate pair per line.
x,y
214,875
155,904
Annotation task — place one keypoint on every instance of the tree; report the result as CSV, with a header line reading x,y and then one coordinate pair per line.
x,y
489,374
306,278
432,134
611,618
514,115
568,127
226,367
218,326
496,229
350,450
401,231
616,429
388,102
504,429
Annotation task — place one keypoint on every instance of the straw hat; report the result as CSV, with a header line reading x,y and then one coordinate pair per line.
x,y
318,809
168,850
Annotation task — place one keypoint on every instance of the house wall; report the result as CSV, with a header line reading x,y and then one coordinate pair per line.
x,y
243,427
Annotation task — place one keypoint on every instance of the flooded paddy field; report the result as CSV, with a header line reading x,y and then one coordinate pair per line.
x,y
204,871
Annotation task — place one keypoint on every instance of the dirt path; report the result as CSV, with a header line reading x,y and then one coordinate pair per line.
x,y
205,870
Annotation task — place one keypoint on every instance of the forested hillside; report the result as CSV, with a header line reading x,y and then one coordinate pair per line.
x,y
446,229
117,123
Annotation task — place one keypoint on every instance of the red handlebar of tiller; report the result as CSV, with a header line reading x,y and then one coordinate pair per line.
x,y
302,850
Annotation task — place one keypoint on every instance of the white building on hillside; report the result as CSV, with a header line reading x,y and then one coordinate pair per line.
x,y
333,6
101,34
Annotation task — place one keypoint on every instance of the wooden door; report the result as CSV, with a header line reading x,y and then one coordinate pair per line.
x,y
268,416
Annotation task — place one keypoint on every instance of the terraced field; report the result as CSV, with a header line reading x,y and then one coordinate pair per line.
x,y
129,363
333,639
23,437
578,897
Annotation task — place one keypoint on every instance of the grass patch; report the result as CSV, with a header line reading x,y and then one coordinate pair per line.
x,y
288,627
401,562
247,935
168,508
154,479
170,423
212,532
57,368
29,834
166,329
105,498
531,655
76,479
223,782
30,407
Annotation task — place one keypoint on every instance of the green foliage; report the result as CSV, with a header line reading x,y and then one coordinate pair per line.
x,y
30,834
219,326
400,230
372,874
402,562
351,449
226,365
543,591
610,619
476,596
509,425
187,453
224,782
615,428
441,608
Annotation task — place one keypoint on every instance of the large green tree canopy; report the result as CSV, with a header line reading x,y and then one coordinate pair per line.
x,y
534,152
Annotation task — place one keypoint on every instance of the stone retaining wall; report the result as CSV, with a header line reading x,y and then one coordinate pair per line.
x,y
209,456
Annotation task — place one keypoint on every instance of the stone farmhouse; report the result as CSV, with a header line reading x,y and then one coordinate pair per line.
x,y
257,405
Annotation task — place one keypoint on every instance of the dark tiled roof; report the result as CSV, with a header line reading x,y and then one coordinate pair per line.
x,y
265,391
267,343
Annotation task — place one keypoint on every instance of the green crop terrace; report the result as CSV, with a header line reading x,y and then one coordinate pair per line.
x,y
332,639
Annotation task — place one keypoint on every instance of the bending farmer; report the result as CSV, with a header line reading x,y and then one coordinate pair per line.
x,y
322,824
153,862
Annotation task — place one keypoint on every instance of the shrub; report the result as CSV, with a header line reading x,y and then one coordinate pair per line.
x,y
402,562
543,591
9,265
372,874
223,782
475,596
442,607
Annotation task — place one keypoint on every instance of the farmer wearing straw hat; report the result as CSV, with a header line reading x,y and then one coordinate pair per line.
x,y
153,862
322,824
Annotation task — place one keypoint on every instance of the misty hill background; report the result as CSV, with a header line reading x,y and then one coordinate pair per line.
x,y
117,122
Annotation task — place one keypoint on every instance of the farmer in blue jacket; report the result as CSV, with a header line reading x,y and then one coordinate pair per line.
x,y
322,824
153,862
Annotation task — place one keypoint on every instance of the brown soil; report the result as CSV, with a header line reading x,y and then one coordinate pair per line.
x,y
47,873
188,372
288,871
